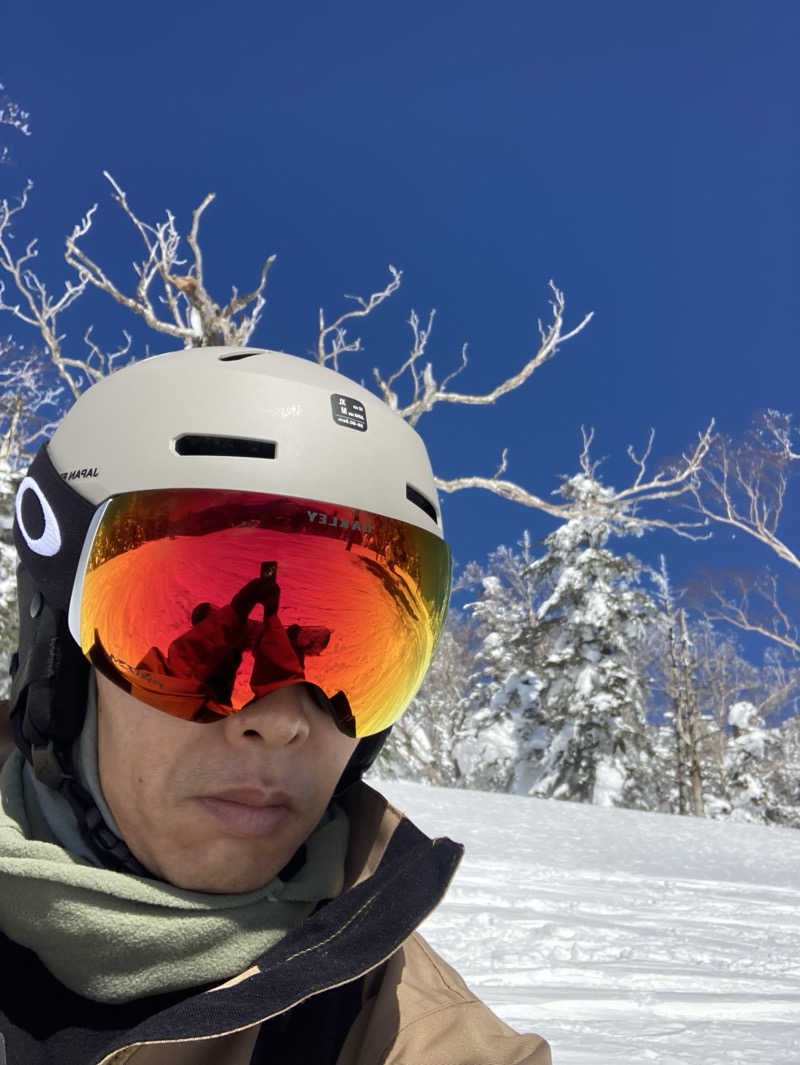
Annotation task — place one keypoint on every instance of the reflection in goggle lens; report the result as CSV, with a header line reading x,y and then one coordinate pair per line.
x,y
198,602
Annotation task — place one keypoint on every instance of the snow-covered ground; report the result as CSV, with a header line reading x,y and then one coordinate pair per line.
x,y
623,938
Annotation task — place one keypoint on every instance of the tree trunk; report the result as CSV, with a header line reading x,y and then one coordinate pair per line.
x,y
692,724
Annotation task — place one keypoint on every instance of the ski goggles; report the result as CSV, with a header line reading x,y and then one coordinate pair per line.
x,y
197,602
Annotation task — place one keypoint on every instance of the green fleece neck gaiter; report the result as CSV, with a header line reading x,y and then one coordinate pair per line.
x,y
113,937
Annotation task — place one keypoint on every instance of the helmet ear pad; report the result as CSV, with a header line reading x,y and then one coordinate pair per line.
x,y
50,674
50,524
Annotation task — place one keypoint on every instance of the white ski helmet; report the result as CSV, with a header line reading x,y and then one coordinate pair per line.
x,y
242,419
245,419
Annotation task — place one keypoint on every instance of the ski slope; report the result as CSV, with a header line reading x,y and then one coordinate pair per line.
x,y
622,937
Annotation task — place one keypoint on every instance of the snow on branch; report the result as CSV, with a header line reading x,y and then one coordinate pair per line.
x,y
13,116
181,305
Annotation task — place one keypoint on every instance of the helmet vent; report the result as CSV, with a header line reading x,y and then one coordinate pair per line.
x,y
227,446
239,355
421,501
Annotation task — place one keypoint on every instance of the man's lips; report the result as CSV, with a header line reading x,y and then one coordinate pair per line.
x,y
249,812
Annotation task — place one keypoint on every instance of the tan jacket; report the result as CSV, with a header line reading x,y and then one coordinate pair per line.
x,y
416,1010
401,1004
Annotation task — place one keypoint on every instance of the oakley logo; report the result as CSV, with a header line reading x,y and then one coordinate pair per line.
x,y
36,519
340,523
133,669
75,475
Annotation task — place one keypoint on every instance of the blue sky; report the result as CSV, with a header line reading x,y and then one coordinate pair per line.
x,y
643,156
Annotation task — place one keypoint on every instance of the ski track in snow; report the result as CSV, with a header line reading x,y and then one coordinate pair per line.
x,y
621,937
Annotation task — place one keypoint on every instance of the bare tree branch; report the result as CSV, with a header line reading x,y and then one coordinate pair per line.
x,y
426,391
782,684
331,339
752,605
664,486
744,485
37,308
420,340
106,361
29,403
195,318
172,298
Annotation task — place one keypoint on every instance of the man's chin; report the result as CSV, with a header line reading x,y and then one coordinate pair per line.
x,y
229,866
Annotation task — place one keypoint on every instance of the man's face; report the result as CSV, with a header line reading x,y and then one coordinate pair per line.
x,y
218,807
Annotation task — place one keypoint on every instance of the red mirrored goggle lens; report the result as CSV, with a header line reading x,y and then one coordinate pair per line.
x,y
198,602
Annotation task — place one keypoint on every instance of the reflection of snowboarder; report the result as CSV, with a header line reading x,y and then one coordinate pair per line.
x,y
212,649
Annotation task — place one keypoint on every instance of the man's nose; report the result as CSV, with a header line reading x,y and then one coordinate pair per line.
x,y
276,720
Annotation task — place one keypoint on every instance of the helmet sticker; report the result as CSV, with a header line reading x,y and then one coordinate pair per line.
x,y
32,509
349,412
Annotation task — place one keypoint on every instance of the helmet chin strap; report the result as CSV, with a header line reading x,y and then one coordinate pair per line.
x,y
108,848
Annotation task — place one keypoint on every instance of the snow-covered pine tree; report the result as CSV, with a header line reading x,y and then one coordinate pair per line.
x,y
785,774
582,646
466,726
675,753
744,764
503,707
721,678
690,729
434,741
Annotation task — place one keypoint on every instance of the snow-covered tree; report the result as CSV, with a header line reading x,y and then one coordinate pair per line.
x,y
696,674
472,716
744,759
710,705
503,701
678,673
504,610
584,640
785,773
437,741
556,666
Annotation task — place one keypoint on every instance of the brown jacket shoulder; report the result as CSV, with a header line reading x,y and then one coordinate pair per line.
x,y
417,1011
421,1011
